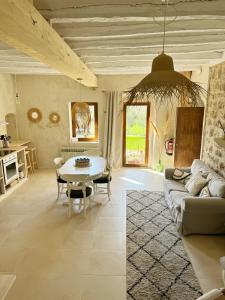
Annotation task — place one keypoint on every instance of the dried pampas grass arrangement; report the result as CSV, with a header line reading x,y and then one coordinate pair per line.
x,y
161,134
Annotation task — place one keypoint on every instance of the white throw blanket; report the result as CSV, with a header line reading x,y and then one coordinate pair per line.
x,y
212,295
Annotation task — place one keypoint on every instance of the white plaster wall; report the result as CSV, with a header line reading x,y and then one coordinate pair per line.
x,y
118,82
7,98
202,78
53,93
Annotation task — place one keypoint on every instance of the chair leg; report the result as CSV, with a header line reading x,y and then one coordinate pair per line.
x,y
31,161
85,207
58,196
94,188
80,204
70,207
108,190
62,188
35,158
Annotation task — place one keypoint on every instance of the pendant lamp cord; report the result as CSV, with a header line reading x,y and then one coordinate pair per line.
x,y
164,24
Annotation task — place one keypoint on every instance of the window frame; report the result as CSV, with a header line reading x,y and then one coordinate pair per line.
x,y
72,123
147,139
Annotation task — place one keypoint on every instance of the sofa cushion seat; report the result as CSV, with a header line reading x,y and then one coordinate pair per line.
x,y
173,185
103,179
60,180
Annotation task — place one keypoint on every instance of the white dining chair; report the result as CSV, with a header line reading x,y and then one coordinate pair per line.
x,y
78,187
104,181
61,184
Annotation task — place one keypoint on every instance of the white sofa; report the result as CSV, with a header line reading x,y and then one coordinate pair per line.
x,y
195,215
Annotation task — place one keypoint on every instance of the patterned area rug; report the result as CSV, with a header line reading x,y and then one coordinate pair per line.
x,y
158,267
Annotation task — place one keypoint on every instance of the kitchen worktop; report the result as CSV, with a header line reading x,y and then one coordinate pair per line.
x,y
18,143
12,149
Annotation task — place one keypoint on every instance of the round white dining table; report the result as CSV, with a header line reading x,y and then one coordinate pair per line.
x,y
95,170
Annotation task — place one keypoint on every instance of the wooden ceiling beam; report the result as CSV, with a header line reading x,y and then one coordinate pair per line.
x,y
140,57
108,9
183,50
15,64
177,40
18,62
85,30
136,64
115,19
28,70
120,36
140,70
152,48
24,28
17,58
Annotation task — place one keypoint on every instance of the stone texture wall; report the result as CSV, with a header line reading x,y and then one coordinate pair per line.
x,y
212,153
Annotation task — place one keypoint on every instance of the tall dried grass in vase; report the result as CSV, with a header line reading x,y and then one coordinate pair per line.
x,y
161,135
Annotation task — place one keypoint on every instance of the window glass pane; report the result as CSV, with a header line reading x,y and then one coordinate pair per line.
x,y
136,126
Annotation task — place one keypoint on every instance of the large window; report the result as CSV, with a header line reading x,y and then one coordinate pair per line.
x,y
92,134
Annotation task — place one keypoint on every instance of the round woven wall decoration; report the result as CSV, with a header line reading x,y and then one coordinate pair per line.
x,y
54,118
34,115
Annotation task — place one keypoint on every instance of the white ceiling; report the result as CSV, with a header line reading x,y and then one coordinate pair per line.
x,y
123,37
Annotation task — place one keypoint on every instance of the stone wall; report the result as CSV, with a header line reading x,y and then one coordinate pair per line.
x,y
212,153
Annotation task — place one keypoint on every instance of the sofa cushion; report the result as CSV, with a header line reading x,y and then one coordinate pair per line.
x,y
216,185
172,185
200,166
216,182
205,193
196,183
180,174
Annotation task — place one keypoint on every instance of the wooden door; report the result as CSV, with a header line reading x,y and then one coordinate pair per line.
x,y
188,135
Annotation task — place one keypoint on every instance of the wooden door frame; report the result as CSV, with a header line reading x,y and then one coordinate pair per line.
x,y
147,104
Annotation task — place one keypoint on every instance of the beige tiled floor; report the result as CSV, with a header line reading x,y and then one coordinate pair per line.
x,y
58,258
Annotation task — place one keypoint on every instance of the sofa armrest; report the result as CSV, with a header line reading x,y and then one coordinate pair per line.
x,y
169,172
201,216
211,205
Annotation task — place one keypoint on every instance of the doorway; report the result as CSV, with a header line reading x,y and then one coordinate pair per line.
x,y
136,119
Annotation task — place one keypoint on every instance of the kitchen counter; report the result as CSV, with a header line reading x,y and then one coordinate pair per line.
x,y
18,143
13,149
19,169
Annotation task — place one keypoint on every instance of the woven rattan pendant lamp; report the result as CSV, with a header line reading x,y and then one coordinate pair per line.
x,y
164,83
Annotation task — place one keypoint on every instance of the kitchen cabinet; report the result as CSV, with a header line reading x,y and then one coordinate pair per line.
x,y
12,165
